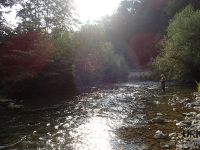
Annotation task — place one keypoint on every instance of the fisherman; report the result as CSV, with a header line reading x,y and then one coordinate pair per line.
x,y
162,82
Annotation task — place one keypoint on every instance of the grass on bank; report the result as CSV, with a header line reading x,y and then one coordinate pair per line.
x,y
198,86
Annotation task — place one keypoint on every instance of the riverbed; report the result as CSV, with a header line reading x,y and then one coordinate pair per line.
x,y
113,117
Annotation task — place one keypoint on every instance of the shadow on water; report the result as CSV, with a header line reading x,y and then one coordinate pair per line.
x,y
106,118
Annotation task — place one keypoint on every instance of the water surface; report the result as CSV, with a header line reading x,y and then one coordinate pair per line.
x,y
113,117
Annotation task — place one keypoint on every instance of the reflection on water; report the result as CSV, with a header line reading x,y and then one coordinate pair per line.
x,y
103,119
95,134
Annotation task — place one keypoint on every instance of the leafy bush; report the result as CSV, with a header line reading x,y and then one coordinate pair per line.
x,y
180,57
23,58
95,60
32,64
198,87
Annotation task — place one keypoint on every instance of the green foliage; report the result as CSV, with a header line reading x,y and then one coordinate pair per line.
x,y
116,68
34,64
64,47
23,58
174,6
7,3
141,25
95,60
137,26
180,57
198,87
45,16
5,30
52,58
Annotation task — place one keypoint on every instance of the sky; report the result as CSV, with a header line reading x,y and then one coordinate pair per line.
x,y
91,10
88,10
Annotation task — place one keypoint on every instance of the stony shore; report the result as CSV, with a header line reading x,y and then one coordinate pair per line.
x,y
187,137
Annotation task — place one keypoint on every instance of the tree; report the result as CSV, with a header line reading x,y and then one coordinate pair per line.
x,y
32,64
180,56
5,31
38,59
22,59
175,6
138,27
95,59
46,15
7,3
24,56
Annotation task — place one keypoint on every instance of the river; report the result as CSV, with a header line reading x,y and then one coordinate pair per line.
x,y
113,117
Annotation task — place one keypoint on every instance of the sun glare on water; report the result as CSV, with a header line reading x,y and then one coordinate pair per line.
x,y
93,135
92,10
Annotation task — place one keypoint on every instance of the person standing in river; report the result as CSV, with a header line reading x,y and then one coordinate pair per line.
x,y
162,82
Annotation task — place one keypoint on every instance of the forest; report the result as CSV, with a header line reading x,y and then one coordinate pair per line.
x,y
47,53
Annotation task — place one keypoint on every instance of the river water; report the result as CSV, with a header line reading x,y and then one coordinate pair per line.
x,y
113,117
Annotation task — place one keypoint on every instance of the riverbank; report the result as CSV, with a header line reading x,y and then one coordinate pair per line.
x,y
174,122
189,135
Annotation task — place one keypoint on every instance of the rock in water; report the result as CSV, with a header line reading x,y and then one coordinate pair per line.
x,y
14,106
160,135
5,100
159,114
159,120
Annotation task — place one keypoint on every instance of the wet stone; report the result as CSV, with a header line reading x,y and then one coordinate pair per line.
x,y
186,100
186,114
181,124
196,94
172,134
197,117
14,106
160,135
174,109
158,120
5,100
172,142
197,98
159,114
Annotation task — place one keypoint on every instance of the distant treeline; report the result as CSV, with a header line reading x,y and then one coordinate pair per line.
x,y
44,55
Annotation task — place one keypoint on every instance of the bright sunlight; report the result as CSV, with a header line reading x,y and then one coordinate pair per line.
x,y
92,10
